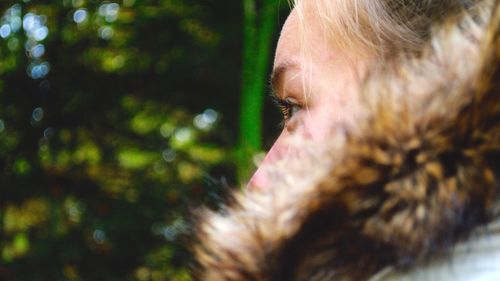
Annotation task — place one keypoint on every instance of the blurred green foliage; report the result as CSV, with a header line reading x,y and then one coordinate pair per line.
x,y
116,119
259,26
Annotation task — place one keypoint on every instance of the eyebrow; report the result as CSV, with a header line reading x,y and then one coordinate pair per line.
x,y
278,73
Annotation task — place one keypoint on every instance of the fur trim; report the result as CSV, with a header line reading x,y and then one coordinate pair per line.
x,y
417,177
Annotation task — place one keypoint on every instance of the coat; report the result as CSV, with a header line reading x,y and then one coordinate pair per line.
x,y
412,194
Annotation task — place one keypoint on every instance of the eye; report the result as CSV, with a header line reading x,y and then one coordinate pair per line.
x,y
289,107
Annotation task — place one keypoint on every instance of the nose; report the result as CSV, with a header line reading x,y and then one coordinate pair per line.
x,y
260,179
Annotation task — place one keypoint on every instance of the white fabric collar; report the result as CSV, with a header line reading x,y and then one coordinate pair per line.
x,y
477,259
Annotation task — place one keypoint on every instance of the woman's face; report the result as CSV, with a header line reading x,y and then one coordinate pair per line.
x,y
315,92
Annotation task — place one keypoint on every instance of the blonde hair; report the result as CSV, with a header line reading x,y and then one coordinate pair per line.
x,y
378,27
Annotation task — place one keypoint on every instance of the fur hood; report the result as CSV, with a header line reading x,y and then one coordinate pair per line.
x,y
420,174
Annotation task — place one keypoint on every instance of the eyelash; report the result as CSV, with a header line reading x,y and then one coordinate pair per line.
x,y
288,107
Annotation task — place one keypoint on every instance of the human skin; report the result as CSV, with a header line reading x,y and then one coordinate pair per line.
x,y
316,83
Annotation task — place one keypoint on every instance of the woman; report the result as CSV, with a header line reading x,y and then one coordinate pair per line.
x,y
402,103
322,70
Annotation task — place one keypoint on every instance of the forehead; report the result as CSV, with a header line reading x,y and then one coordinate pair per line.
x,y
303,34
289,41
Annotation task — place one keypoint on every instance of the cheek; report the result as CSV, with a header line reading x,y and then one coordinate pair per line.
x,y
316,123
331,113
320,121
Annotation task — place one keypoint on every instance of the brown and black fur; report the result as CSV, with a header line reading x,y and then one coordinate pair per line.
x,y
419,175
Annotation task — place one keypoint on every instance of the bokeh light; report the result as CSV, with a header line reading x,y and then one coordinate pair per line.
x,y
5,31
80,16
48,133
169,155
37,114
109,11
37,51
13,44
38,70
99,236
11,21
206,120
106,32
34,26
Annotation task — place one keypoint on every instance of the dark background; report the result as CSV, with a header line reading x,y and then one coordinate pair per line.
x,y
116,120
